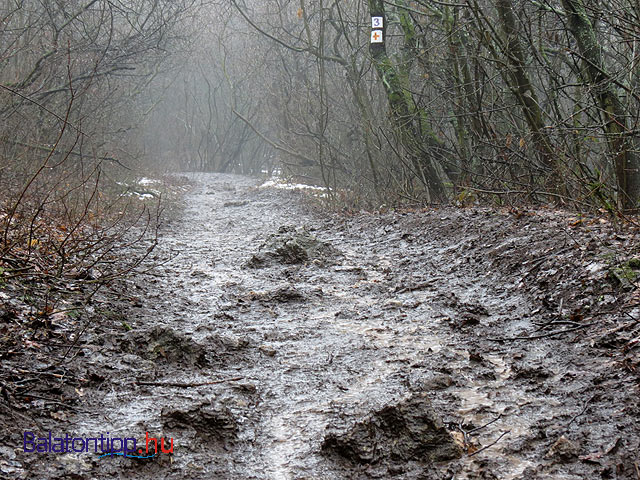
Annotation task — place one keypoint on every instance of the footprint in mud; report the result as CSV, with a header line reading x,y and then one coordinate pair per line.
x,y
409,430
209,420
165,344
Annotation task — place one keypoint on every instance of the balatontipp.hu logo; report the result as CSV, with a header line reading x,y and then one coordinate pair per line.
x,y
106,446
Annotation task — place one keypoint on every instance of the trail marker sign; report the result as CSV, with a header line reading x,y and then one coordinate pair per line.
x,y
378,32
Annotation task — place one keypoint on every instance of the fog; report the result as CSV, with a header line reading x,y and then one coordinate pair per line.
x,y
466,103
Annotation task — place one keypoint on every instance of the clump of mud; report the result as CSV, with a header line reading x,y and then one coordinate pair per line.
x,y
282,294
409,430
208,420
163,343
293,245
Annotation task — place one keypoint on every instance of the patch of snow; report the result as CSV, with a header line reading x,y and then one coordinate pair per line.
x,y
595,267
148,181
290,186
142,196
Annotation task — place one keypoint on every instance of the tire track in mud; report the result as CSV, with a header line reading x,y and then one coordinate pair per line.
x,y
315,344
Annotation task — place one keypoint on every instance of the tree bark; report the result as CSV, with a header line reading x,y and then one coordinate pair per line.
x,y
619,143
411,123
521,84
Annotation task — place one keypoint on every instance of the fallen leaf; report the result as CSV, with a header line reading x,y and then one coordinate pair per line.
x,y
592,457
595,456
59,415
613,446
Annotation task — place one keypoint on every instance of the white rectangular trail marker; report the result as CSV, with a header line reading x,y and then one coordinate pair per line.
x,y
377,36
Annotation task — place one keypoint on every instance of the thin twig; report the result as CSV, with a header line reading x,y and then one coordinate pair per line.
x,y
59,376
413,288
584,409
491,444
550,334
486,424
28,99
554,321
186,385
75,341
47,399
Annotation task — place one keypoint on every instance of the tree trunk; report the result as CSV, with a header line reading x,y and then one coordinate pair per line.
x,y
411,123
520,83
615,127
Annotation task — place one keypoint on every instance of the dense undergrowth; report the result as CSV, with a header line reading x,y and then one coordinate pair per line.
x,y
68,238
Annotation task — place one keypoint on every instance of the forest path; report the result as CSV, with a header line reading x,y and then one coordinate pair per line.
x,y
243,354
341,334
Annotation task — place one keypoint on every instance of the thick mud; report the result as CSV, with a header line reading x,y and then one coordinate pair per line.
x,y
282,343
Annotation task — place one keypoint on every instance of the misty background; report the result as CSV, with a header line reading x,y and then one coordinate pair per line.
x,y
501,101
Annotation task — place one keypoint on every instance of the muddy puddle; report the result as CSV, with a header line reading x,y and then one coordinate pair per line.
x,y
272,326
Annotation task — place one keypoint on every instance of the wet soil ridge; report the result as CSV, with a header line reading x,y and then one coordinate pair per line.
x,y
208,420
409,430
161,344
293,244
274,341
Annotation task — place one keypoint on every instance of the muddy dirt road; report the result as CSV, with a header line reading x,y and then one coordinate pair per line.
x,y
275,329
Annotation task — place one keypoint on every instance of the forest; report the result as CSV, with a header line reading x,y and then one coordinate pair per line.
x,y
352,238
498,102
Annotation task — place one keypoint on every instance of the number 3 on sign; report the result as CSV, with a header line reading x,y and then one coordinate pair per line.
x,y
377,22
